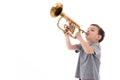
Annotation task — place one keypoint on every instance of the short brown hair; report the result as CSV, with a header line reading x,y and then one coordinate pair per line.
x,y
100,31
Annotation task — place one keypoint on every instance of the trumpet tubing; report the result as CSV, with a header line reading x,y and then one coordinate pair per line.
x,y
71,26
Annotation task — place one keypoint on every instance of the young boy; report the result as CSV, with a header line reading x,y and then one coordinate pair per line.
x,y
90,51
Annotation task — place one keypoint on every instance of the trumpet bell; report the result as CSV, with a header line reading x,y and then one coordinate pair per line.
x,y
56,10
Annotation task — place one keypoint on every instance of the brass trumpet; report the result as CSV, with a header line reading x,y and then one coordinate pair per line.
x,y
71,26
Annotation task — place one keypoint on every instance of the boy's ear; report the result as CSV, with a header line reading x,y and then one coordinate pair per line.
x,y
99,37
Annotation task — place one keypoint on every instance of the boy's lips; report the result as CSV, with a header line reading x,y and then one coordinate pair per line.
x,y
87,33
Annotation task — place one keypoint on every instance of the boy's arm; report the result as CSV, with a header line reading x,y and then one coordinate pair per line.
x,y
87,48
68,43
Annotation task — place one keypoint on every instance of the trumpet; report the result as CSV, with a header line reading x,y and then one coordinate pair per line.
x,y
57,10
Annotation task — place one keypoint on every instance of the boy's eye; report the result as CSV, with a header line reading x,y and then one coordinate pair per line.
x,y
92,29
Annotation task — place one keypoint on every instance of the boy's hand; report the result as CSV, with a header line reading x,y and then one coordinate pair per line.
x,y
66,34
78,35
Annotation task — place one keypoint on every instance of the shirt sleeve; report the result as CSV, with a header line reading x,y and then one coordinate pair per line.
x,y
96,48
78,48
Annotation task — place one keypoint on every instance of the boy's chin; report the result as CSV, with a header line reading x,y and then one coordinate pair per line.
x,y
88,40
87,37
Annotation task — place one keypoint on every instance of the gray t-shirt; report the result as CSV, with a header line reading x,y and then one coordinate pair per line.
x,y
88,64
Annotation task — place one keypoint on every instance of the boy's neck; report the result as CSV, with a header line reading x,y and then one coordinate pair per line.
x,y
90,42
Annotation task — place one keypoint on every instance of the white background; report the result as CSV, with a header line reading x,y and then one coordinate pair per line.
x,y
33,48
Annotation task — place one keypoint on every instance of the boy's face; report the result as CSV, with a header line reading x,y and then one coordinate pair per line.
x,y
92,34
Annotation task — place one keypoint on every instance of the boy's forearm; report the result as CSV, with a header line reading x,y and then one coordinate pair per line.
x,y
69,45
87,48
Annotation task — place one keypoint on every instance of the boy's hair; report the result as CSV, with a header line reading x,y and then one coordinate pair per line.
x,y
100,31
